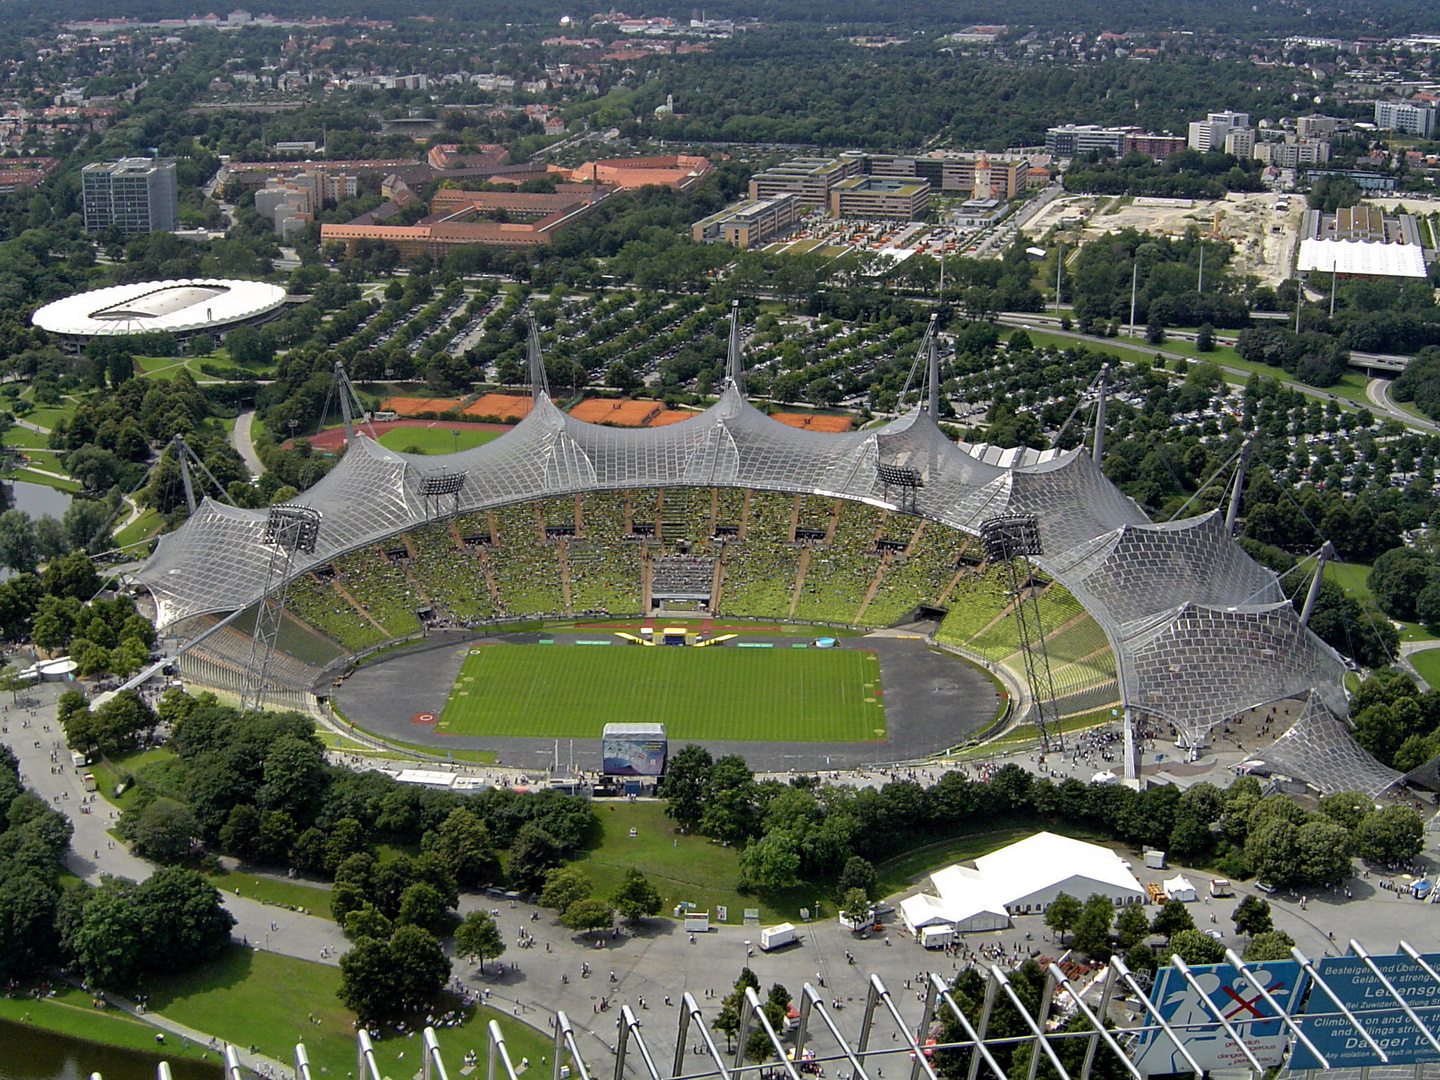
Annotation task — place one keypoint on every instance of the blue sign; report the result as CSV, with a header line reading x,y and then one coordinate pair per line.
x,y
1377,1011
1234,997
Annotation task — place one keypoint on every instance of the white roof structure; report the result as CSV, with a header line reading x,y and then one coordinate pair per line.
x,y
426,778
1180,888
1370,258
177,307
1041,861
1026,875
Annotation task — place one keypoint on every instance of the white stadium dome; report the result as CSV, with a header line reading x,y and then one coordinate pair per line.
x,y
178,307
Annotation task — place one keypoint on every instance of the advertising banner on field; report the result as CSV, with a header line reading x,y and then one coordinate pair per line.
x,y
1236,998
1377,1011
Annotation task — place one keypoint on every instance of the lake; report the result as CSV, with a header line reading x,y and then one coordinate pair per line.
x,y
29,1054
38,500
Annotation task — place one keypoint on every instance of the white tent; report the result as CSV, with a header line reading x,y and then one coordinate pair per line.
x,y
1179,888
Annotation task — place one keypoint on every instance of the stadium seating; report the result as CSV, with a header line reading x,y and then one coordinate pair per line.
x,y
919,577
978,599
838,575
525,568
452,578
760,569
323,606
603,577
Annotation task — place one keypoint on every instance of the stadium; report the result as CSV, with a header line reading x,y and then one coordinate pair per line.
x,y
736,515
181,307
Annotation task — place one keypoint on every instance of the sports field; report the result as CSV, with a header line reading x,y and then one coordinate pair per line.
x,y
763,695
435,440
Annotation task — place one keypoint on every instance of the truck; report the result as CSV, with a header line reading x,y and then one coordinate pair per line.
x,y
936,937
1221,887
78,759
1155,860
88,780
697,922
772,937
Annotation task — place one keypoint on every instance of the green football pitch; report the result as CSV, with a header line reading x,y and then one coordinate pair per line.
x,y
571,691
435,440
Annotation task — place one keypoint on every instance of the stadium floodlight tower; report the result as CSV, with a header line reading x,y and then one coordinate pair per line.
x,y
907,480
437,487
290,529
1013,541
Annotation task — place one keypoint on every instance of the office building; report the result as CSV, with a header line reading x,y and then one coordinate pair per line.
x,y
1292,153
1073,140
134,195
882,197
976,176
1404,117
810,180
1316,126
748,223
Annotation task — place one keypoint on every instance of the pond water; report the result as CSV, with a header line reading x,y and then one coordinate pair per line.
x,y
37,500
30,1054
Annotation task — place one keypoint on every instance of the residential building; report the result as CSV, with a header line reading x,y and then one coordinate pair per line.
x,y
810,180
1316,126
1216,130
750,222
887,198
1292,153
134,195
679,171
1406,117
1158,147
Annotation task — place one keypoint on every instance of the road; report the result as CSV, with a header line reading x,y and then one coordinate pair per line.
x,y
1378,391
244,444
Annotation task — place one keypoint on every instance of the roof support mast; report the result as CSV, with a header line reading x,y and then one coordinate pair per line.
x,y
1097,448
351,406
932,372
1239,487
1327,552
185,456
734,366
538,383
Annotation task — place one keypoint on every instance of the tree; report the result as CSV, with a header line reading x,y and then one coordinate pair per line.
x,y
422,905
1323,848
1205,338
463,842
1273,851
1062,915
1092,928
294,776
386,978
1252,916
687,778
728,1018
771,862
367,921
17,542
478,938
533,853
636,898
855,907
1172,917
565,885
1346,808
1195,948
1131,926
859,873
183,919
109,942
1390,837
164,830
588,915
1271,945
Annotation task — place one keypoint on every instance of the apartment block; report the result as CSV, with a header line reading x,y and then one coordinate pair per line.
x,y
1404,117
134,195
1214,133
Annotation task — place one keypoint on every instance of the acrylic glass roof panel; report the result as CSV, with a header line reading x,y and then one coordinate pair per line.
x,y
1320,749
1139,570
1200,665
1072,499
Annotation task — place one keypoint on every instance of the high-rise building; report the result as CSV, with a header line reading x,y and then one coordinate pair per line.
x,y
135,195
1403,116
1214,133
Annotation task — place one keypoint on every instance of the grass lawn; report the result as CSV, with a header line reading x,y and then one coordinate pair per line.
x,y
560,691
272,1002
1352,577
45,416
682,867
287,894
1427,663
142,528
153,765
30,440
434,440
908,867
44,478
71,1012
